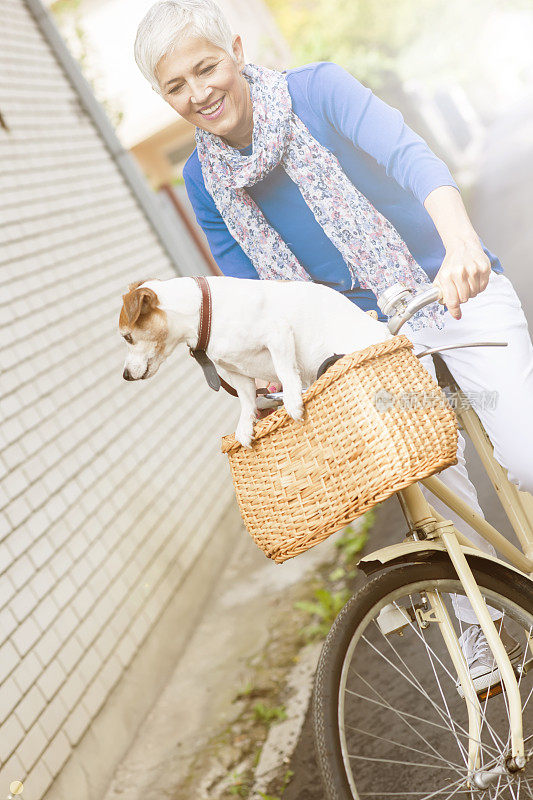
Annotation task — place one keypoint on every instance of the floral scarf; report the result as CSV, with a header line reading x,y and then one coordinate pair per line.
x,y
372,248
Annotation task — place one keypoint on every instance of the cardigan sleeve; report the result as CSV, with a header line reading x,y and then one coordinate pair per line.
x,y
226,251
377,128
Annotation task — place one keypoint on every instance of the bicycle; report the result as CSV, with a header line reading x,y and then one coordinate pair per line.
x,y
395,711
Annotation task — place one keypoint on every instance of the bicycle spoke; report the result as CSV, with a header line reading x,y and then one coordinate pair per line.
x,y
399,744
429,651
436,793
484,717
525,781
519,681
452,677
456,783
400,713
420,688
511,789
417,632
452,794
498,741
390,794
522,781
402,763
504,696
528,698
394,710
415,683
493,734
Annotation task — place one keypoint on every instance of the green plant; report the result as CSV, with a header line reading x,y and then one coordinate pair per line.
x,y
337,574
286,780
257,756
268,714
340,573
326,606
353,540
246,690
241,785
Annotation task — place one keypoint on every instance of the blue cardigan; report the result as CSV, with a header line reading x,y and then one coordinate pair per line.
x,y
386,160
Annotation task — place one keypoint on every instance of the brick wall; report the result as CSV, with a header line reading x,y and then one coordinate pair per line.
x,y
109,490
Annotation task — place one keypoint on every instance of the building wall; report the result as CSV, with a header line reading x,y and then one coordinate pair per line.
x,y
110,491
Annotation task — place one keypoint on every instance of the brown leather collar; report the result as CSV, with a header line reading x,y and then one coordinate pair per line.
x,y
206,313
204,332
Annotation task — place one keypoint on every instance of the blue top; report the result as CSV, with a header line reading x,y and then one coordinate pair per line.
x,y
384,158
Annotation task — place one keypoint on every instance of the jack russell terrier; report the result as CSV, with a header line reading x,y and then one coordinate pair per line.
x,y
273,330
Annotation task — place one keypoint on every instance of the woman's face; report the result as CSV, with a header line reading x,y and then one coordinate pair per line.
x,y
197,77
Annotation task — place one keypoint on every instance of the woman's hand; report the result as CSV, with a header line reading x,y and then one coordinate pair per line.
x,y
272,386
464,273
465,270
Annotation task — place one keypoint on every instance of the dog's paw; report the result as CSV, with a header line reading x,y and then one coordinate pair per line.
x,y
244,435
295,410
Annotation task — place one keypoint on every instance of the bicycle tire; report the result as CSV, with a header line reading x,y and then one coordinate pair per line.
x,y
512,587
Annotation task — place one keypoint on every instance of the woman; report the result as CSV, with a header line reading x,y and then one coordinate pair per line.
x,y
275,203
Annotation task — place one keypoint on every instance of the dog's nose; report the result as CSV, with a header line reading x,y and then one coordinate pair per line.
x,y
127,375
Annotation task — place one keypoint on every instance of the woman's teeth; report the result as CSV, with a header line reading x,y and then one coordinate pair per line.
x,y
212,109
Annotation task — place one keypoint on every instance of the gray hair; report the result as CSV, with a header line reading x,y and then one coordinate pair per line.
x,y
166,21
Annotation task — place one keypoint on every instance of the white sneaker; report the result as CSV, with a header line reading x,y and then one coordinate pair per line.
x,y
478,655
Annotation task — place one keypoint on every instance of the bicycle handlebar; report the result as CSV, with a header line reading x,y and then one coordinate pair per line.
x,y
400,300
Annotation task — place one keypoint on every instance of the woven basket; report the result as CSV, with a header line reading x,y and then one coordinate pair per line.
x,y
302,481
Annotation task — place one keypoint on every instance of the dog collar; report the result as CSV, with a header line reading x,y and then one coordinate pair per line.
x,y
204,332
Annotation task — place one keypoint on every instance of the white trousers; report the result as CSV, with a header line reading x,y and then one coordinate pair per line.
x,y
499,385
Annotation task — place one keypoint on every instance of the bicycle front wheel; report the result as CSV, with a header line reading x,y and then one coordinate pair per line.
x,y
388,718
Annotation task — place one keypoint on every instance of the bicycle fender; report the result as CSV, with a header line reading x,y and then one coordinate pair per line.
x,y
413,552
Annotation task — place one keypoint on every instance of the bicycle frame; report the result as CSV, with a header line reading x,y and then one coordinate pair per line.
x,y
426,524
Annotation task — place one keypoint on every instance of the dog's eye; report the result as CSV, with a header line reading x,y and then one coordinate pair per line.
x,y
128,338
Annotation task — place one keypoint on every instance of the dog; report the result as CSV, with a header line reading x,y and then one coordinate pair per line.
x,y
274,330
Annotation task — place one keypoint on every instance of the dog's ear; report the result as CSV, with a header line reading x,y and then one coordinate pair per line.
x,y
137,303
134,285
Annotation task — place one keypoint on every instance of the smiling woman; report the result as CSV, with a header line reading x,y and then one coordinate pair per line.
x,y
193,61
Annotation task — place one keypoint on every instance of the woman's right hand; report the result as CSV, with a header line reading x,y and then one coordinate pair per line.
x,y
272,386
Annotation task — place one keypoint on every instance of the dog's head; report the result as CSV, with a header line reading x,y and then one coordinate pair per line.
x,y
144,327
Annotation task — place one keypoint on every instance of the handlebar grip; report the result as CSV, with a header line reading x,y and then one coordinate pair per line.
x,y
431,294
440,296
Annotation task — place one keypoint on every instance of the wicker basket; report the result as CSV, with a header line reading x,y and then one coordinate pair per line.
x,y
364,436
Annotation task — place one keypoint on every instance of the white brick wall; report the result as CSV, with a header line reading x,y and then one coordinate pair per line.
x,y
108,490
